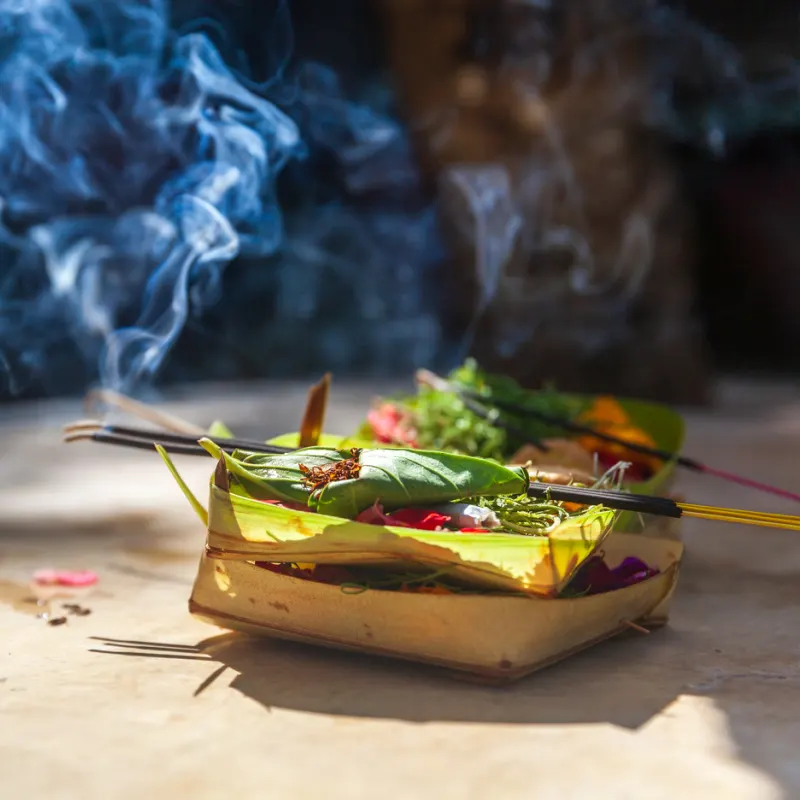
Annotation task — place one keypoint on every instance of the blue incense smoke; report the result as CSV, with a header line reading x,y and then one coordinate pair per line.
x,y
135,165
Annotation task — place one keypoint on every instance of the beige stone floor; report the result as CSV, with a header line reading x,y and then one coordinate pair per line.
x,y
709,707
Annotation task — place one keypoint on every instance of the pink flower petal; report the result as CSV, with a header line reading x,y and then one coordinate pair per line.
x,y
65,577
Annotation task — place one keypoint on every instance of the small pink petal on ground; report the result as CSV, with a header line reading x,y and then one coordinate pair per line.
x,y
64,577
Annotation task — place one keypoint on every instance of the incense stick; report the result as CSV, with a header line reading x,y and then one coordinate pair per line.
x,y
661,506
176,444
439,383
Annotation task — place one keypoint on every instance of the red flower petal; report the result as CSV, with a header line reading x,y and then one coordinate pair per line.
x,y
419,518
387,426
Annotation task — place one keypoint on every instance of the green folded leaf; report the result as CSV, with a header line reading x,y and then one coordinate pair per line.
x,y
395,478
401,478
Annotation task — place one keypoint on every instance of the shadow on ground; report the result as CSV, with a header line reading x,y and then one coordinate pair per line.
x,y
722,644
589,688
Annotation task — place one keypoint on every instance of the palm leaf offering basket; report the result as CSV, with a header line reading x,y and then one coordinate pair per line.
x,y
512,613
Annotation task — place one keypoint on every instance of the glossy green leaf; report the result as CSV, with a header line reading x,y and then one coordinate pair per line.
x,y
395,478
403,478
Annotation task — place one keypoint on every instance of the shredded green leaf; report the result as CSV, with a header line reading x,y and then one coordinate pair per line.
x,y
504,389
442,421
526,515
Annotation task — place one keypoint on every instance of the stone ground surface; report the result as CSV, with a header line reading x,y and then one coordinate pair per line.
x,y
709,707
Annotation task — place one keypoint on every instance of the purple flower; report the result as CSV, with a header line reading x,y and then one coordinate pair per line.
x,y
596,577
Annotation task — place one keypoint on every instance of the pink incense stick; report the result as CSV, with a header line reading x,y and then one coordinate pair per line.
x,y
748,482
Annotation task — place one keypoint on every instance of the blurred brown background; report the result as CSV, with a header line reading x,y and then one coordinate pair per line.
x,y
636,172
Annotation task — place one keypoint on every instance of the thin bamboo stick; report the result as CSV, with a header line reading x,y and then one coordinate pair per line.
x,y
689,507
761,523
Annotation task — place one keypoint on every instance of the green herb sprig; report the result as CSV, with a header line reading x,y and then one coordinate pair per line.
x,y
442,421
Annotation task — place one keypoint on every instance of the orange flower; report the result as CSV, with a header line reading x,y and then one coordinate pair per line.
x,y
606,411
608,416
